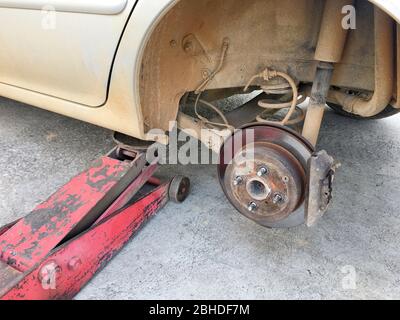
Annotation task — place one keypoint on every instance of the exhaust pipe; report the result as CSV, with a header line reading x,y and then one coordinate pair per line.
x,y
384,72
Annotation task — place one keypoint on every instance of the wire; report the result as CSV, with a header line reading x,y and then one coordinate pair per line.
x,y
202,87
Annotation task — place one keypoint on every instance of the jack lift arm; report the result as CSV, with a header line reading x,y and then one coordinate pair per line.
x,y
57,248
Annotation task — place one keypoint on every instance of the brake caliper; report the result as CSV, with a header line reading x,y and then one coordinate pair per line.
x,y
321,174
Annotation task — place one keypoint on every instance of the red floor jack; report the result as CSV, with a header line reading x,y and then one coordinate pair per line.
x,y
56,249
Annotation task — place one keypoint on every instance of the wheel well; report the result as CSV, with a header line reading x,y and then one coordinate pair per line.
x,y
185,47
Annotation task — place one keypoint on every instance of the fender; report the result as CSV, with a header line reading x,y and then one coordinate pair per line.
x,y
391,7
122,110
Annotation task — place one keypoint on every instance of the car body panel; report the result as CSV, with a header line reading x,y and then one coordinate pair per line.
x,y
392,7
78,6
122,110
64,54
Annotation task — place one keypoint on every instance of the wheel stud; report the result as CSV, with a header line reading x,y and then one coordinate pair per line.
x,y
278,198
238,180
252,207
262,171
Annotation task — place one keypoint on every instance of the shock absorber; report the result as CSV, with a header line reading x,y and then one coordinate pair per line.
x,y
316,107
331,43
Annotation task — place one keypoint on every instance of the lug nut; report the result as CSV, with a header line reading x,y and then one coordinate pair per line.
x,y
278,198
262,171
238,180
252,206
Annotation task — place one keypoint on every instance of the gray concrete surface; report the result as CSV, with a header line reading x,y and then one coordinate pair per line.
x,y
203,248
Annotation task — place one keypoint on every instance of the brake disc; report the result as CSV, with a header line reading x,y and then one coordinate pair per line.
x,y
263,172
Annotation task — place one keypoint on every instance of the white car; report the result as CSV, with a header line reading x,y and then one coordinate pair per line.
x,y
134,66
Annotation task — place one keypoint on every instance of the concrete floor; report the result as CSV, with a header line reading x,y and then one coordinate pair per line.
x,y
203,249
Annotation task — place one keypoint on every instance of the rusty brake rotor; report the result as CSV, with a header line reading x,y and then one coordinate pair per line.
x,y
263,172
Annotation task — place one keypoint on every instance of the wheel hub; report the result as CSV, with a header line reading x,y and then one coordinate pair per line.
x,y
265,179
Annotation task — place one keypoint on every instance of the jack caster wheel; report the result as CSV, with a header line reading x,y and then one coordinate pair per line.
x,y
179,189
263,172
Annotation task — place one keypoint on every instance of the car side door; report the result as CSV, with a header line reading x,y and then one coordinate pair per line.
x,y
61,48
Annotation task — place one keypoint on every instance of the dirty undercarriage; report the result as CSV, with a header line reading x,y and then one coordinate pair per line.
x,y
340,52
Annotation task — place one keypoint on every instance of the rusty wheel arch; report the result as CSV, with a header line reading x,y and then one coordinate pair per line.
x,y
184,45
